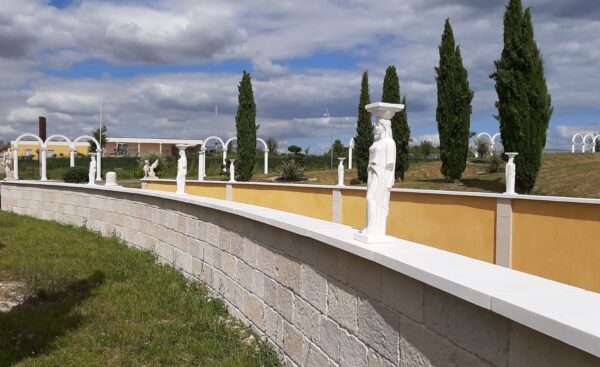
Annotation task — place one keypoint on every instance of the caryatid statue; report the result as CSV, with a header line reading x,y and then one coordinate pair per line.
x,y
181,169
8,163
382,163
92,171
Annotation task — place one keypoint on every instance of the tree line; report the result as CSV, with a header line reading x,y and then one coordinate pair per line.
x,y
524,104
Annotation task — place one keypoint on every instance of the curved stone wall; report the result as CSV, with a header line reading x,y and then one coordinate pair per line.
x,y
319,299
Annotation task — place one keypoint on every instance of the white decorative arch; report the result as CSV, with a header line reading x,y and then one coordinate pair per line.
x,y
574,142
43,151
16,153
594,142
587,137
492,139
202,156
98,154
265,152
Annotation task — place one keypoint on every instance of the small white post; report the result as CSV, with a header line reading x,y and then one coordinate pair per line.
x,y
201,163
72,152
42,157
266,169
510,173
231,170
16,163
111,179
99,167
341,172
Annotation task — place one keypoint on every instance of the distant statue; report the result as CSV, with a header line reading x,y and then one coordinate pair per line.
x,y
340,170
510,173
149,169
8,163
382,163
181,171
92,171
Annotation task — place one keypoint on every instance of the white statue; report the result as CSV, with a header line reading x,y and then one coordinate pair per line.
x,y
231,170
92,171
341,172
510,174
181,169
382,163
8,163
149,169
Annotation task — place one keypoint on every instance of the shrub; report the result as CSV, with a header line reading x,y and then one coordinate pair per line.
x,y
482,147
76,175
495,161
291,171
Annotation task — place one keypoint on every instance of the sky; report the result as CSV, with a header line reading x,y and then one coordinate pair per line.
x,y
161,66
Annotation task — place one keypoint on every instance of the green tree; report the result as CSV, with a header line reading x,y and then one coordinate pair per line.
x,y
245,124
482,147
272,145
294,149
339,150
400,128
101,138
426,148
524,104
453,113
364,131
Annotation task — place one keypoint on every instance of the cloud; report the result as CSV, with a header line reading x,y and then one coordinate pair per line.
x,y
272,35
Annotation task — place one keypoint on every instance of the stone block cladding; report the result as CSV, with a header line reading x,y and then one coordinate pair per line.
x,y
317,305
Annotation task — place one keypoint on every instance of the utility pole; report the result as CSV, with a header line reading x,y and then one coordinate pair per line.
x,y
330,137
101,123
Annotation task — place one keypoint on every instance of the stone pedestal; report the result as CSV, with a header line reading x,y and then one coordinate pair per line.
x,y
111,179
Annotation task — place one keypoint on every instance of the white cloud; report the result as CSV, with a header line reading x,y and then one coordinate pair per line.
x,y
35,36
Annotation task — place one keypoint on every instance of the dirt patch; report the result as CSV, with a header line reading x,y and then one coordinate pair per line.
x,y
12,294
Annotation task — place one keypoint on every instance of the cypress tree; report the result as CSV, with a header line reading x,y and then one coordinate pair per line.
x,y
400,128
524,105
364,131
245,124
453,113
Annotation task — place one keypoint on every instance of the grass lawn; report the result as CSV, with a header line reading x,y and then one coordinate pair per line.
x,y
92,301
561,174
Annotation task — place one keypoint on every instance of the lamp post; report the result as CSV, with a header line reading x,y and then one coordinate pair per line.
x,y
328,116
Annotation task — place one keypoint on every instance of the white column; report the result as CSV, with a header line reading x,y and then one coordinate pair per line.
x,y
201,164
99,166
583,147
593,147
350,157
72,152
266,169
139,150
160,148
16,163
572,147
224,160
42,157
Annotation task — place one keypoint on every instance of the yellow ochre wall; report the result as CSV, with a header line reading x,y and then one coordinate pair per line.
x,y
162,186
309,201
558,241
354,208
211,190
464,225
58,149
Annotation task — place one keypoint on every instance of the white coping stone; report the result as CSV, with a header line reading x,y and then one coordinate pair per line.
x,y
561,311
412,191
